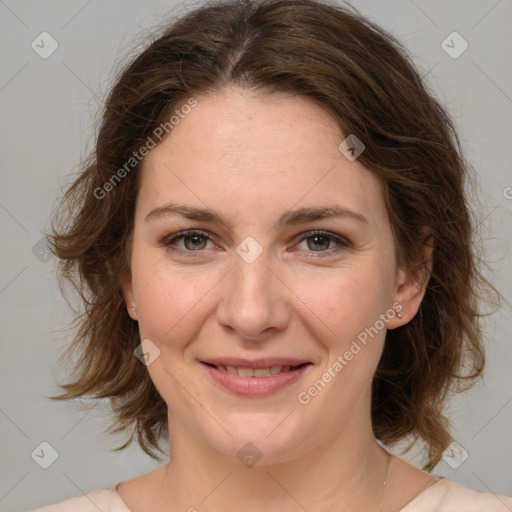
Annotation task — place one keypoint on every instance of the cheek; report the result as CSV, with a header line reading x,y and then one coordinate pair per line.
x,y
170,301
345,302
346,307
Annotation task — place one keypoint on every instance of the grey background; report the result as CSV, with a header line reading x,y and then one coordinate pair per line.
x,y
48,108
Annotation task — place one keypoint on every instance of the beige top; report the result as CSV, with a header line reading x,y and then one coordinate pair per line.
x,y
443,496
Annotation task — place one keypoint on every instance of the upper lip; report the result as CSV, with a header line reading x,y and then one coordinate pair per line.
x,y
265,362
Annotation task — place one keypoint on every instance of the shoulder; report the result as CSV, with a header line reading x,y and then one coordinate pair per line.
x,y
106,500
446,496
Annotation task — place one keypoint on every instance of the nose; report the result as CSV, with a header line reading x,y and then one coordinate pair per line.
x,y
255,302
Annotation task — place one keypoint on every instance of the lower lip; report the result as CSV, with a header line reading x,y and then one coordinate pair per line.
x,y
255,386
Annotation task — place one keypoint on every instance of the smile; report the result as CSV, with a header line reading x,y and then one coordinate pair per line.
x,y
255,372
255,379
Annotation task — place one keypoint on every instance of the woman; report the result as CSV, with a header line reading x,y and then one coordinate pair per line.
x,y
274,248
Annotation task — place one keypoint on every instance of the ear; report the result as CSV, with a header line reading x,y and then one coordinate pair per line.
x,y
411,285
129,296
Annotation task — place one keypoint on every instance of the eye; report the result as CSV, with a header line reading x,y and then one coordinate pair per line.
x,y
193,241
321,242
318,243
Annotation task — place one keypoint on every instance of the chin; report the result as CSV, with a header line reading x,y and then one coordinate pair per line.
x,y
260,438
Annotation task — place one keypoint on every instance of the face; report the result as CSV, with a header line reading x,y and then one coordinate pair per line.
x,y
263,272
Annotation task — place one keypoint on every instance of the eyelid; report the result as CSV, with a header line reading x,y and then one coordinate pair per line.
x,y
343,242
169,240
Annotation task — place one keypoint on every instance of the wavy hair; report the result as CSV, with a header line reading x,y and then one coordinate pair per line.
x,y
360,74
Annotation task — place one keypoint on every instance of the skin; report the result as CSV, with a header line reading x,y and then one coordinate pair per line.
x,y
250,159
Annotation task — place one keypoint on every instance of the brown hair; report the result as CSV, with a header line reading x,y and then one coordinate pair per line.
x,y
361,75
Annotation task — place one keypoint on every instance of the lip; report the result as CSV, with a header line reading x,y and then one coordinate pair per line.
x,y
255,386
264,362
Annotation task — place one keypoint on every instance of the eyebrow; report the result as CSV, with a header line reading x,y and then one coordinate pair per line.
x,y
289,218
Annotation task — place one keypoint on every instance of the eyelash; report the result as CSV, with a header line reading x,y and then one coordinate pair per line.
x,y
343,244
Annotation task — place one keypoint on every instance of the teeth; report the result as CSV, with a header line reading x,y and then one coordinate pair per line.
x,y
246,372
256,372
261,372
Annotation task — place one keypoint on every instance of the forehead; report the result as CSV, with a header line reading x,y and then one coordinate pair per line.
x,y
236,150
233,121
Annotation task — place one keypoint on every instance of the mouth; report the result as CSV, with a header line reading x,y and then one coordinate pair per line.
x,y
242,371
256,378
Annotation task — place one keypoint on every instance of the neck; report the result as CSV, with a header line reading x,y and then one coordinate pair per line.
x,y
343,472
